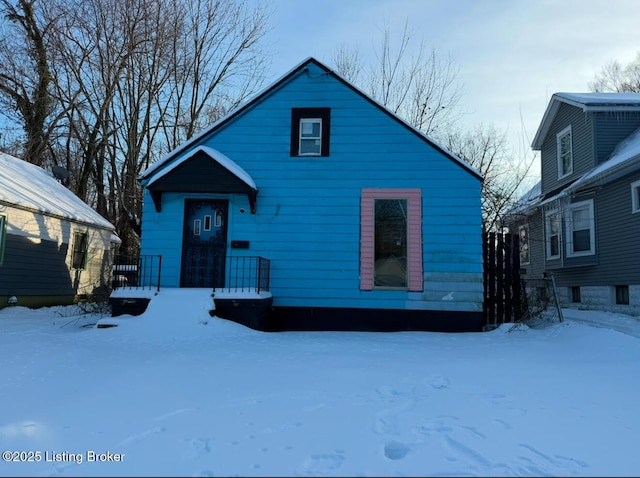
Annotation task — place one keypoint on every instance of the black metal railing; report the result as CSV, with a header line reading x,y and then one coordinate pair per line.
x,y
136,272
246,274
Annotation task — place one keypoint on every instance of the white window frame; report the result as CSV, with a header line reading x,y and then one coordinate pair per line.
x,y
306,138
569,229
635,197
547,235
559,136
524,227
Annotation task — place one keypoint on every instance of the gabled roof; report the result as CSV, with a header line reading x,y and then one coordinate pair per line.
x,y
588,102
624,160
202,170
216,156
26,186
300,68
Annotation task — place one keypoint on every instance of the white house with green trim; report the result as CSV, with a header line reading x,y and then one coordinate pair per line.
x,y
54,248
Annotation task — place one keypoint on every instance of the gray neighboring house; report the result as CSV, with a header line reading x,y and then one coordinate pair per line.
x,y
582,221
54,248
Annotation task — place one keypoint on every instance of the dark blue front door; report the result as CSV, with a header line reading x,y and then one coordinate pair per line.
x,y
204,243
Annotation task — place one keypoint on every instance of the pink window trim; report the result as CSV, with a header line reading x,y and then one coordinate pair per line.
x,y
414,234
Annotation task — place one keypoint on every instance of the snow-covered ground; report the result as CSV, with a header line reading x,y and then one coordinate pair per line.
x,y
175,392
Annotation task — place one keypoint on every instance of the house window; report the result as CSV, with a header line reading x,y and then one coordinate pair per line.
x,y
310,137
575,295
580,229
565,152
390,243
310,129
635,196
523,234
391,239
552,234
79,251
3,235
622,294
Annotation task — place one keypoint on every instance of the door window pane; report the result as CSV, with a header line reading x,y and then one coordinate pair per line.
x,y
390,250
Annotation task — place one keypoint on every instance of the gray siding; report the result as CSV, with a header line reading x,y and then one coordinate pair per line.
x,y
611,129
582,143
617,233
32,268
536,267
39,268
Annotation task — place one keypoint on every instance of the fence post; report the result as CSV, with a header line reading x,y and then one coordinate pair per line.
x,y
159,270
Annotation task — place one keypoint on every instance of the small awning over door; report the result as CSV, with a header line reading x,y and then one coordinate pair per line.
x,y
202,170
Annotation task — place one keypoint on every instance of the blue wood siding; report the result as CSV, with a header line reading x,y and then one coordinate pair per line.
x,y
308,209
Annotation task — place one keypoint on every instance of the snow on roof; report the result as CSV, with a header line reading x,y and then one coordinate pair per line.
x,y
625,154
588,102
528,199
601,99
28,186
214,154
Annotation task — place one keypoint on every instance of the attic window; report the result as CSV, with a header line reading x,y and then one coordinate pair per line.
x,y
565,152
310,128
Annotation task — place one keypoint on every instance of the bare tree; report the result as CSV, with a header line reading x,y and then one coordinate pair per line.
x,y
348,63
218,63
485,148
615,77
422,88
414,83
106,87
25,78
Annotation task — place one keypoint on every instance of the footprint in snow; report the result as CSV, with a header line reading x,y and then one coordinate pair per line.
x,y
197,447
395,450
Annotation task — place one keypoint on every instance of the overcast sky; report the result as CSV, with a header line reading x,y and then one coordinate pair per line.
x,y
512,55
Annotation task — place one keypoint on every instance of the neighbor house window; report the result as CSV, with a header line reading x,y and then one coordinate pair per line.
x,y
565,152
79,252
552,234
391,239
310,130
622,294
635,196
3,235
523,234
580,229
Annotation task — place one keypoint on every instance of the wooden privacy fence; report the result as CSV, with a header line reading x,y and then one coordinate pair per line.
x,y
502,285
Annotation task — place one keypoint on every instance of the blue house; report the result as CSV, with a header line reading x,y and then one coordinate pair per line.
x,y
312,207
